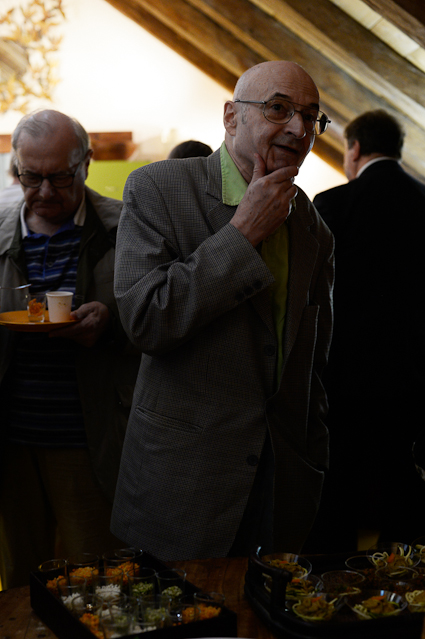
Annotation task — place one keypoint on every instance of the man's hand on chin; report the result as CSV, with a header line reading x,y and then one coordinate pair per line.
x,y
267,203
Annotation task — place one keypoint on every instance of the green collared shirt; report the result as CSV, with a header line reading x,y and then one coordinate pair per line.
x,y
274,250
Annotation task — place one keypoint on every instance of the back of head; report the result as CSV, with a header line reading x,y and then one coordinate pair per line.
x,y
190,149
46,123
377,132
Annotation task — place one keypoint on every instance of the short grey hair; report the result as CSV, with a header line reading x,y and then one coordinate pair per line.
x,y
41,122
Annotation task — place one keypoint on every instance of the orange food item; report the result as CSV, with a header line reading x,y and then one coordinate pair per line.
x,y
92,622
207,612
35,308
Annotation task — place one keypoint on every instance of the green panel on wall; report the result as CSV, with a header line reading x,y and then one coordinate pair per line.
x,y
108,177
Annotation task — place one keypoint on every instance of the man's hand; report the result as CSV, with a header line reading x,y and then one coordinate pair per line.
x,y
94,320
266,203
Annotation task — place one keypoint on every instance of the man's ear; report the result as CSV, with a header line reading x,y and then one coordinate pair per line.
x,y
229,117
87,161
356,150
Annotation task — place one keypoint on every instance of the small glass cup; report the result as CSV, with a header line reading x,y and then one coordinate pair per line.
x,y
143,583
210,604
184,612
107,586
155,609
36,307
84,565
69,588
171,582
87,604
119,564
118,625
52,570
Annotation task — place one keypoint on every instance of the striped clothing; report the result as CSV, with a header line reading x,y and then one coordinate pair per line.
x,y
44,402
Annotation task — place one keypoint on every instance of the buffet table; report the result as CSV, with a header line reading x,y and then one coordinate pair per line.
x,y
225,575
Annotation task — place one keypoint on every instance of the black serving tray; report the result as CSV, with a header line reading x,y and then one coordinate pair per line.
x,y
62,622
269,606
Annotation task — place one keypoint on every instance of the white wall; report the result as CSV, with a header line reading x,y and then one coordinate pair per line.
x,y
115,76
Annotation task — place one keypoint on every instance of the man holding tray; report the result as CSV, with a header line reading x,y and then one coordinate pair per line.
x,y
224,274
65,395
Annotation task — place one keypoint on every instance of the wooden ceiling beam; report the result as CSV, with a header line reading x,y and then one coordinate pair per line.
x,y
202,33
356,50
180,45
406,15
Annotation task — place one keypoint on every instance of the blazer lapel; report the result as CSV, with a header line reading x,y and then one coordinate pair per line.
x,y
303,248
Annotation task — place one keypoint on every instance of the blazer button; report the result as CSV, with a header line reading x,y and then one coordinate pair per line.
x,y
239,297
269,349
248,290
258,284
252,460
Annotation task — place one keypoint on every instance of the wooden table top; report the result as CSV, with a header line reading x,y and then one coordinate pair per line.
x,y
225,575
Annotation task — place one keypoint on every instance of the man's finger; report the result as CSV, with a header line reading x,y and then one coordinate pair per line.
x,y
259,168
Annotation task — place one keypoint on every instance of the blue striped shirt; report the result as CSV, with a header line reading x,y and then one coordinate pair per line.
x,y
44,403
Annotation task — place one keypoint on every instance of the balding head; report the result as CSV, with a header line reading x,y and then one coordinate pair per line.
x,y
47,122
249,132
263,76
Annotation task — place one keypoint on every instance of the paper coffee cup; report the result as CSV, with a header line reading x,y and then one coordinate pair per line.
x,y
59,305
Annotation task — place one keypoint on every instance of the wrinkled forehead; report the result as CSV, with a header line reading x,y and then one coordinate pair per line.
x,y
58,150
288,80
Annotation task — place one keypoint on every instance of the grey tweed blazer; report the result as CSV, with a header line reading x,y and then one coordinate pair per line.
x,y
193,296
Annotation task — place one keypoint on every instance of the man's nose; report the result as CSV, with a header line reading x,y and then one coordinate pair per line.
x,y
45,188
296,126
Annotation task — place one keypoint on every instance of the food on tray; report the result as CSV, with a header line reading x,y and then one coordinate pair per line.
x,y
299,588
52,584
376,606
416,600
173,591
35,309
394,562
290,566
109,592
420,549
142,588
207,612
86,573
314,609
92,623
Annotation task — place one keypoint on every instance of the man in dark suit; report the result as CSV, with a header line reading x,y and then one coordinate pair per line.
x,y
225,284
375,379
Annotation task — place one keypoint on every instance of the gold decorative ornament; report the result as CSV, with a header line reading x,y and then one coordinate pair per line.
x,y
28,47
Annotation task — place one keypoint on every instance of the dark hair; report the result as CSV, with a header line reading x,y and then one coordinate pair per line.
x,y
190,149
377,132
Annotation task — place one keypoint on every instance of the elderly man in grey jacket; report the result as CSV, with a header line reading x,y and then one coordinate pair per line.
x,y
225,284
65,394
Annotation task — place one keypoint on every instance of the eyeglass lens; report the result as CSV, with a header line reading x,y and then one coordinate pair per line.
x,y
32,180
281,111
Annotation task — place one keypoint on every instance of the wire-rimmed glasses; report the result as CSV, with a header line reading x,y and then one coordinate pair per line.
x,y
280,111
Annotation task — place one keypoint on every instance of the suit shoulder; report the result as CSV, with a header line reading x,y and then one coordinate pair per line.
x,y
171,171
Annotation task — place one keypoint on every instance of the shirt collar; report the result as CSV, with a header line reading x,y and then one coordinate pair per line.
x,y
368,164
233,184
78,219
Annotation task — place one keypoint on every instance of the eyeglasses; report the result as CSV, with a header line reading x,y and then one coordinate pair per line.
x,y
57,180
281,111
